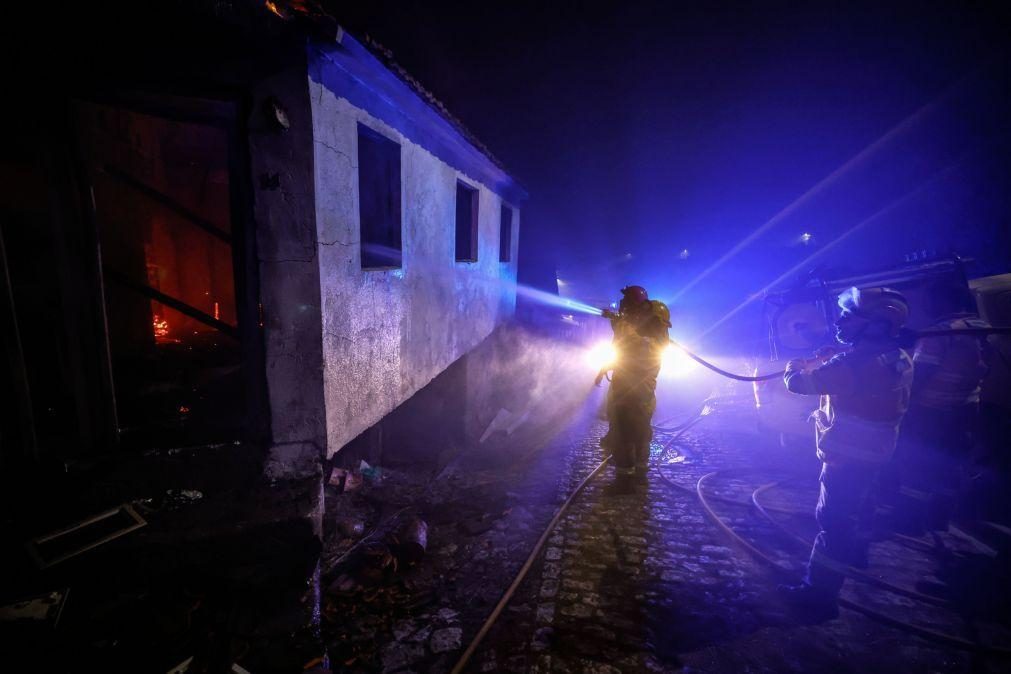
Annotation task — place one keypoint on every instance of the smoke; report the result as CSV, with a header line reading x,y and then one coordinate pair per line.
x,y
540,382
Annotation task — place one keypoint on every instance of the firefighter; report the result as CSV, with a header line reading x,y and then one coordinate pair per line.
x,y
939,430
640,338
864,395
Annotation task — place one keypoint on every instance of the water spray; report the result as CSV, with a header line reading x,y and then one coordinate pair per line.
x,y
552,300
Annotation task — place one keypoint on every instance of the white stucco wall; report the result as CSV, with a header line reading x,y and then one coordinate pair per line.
x,y
387,333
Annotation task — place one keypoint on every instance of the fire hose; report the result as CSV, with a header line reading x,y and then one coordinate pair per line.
x,y
848,571
724,373
906,337
531,558
932,635
926,633
856,574
539,545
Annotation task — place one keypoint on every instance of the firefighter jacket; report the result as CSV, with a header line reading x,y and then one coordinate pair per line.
x,y
959,362
864,394
640,339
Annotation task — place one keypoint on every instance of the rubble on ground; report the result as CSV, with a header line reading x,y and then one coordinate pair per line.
x,y
434,558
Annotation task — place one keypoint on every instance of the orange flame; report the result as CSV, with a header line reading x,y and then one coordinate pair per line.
x,y
274,8
161,327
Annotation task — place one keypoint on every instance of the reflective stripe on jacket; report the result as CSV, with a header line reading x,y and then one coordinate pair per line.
x,y
864,393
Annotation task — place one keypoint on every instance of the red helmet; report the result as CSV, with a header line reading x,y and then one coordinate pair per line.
x,y
633,295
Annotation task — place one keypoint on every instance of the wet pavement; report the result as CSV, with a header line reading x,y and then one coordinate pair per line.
x,y
644,581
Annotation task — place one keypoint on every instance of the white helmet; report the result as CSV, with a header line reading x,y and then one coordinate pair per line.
x,y
876,305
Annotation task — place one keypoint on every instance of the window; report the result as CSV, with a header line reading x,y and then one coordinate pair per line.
x,y
162,195
466,223
379,200
505,235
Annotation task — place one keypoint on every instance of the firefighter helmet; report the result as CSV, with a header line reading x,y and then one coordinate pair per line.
x,y
634,294
661,311
878,305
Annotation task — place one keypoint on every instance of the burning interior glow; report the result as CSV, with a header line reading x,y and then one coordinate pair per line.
x,y
161,328
274,9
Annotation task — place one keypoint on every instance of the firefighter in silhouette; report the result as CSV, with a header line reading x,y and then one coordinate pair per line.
x,y
864,394
941,426
640,338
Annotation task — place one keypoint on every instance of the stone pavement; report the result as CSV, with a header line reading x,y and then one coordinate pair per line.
x,y
644,582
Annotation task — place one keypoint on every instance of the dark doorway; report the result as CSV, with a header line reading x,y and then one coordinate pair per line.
x,y
161,193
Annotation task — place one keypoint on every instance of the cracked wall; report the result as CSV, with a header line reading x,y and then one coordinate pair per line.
x,y
388,333
284,210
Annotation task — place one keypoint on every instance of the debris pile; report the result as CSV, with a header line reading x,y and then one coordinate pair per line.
x,y
413,561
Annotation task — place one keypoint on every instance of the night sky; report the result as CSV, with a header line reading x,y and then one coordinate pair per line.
x,y
650,128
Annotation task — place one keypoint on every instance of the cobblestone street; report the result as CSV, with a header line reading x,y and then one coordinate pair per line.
x,y
392,337
645,582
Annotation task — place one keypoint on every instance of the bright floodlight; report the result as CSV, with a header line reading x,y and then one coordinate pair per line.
x,y
676,362
601,356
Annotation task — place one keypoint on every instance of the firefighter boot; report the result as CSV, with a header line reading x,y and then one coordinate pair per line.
x,y
624,482
642,463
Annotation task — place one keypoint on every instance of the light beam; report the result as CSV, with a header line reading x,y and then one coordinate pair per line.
x,y
938,175
817,189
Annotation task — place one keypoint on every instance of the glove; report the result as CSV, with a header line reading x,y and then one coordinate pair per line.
x,y
797,364
826,353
